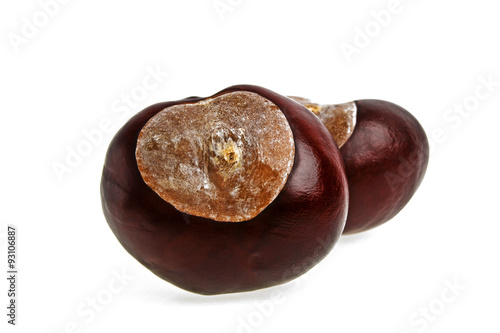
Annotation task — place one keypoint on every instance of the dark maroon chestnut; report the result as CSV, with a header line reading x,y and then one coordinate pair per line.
x,y
385,152
239,191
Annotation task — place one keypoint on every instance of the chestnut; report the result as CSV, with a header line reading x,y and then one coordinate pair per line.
x,y
238,191
385,152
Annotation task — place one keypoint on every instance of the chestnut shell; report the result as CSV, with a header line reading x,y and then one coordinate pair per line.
x,y
204,256
385,159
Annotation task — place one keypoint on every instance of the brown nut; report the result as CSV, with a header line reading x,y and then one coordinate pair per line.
x,y
385,152
238,191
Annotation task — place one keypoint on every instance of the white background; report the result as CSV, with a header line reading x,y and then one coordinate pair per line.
x,y
70,75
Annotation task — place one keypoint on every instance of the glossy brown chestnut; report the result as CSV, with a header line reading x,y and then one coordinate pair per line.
x,y
385,152
234,254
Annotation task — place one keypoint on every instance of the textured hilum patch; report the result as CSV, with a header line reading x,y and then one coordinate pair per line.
x,y
225,158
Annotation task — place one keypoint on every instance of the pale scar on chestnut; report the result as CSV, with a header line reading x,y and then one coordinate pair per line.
x,y
339,119
225,158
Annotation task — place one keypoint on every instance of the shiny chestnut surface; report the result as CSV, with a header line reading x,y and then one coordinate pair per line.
x,y
201,255
385,159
